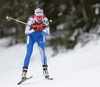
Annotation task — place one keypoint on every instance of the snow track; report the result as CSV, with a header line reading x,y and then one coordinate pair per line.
x,y
77,68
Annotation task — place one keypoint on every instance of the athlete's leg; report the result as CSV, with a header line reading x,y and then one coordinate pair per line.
x,y
30,44
41,44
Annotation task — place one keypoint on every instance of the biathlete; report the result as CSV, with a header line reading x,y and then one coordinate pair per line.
x,y
36,31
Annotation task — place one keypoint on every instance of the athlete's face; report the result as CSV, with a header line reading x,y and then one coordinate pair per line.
x,y
39,18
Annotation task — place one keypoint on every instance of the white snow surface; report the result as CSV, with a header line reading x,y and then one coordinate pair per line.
x,y
79,67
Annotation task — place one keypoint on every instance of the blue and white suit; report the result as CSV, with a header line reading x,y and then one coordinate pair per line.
x,y
38,37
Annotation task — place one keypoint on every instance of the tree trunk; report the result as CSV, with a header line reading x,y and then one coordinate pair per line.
x,y
84,12
72,4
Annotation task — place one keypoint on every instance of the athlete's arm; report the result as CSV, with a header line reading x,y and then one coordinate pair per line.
x,y
27,28
46,30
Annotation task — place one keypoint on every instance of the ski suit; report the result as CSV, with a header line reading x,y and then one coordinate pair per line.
x,y
38,37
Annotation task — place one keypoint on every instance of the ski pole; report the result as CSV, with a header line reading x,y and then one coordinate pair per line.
x,y
21,21
17,20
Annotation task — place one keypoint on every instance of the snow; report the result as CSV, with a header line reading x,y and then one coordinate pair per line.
x,y
60,26
79,67
96,6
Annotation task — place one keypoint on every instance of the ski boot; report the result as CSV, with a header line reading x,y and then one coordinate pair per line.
x,y
45,71
24,73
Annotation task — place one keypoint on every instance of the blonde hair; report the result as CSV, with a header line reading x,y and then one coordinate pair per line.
x,y
38,9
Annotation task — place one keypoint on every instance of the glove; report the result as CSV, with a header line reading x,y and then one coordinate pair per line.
x,y
33,27
40,28
36,28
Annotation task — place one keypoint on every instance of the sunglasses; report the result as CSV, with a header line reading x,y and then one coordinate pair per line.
x,y
38,17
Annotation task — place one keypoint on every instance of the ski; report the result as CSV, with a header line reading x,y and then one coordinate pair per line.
x,y
49,78
23,80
